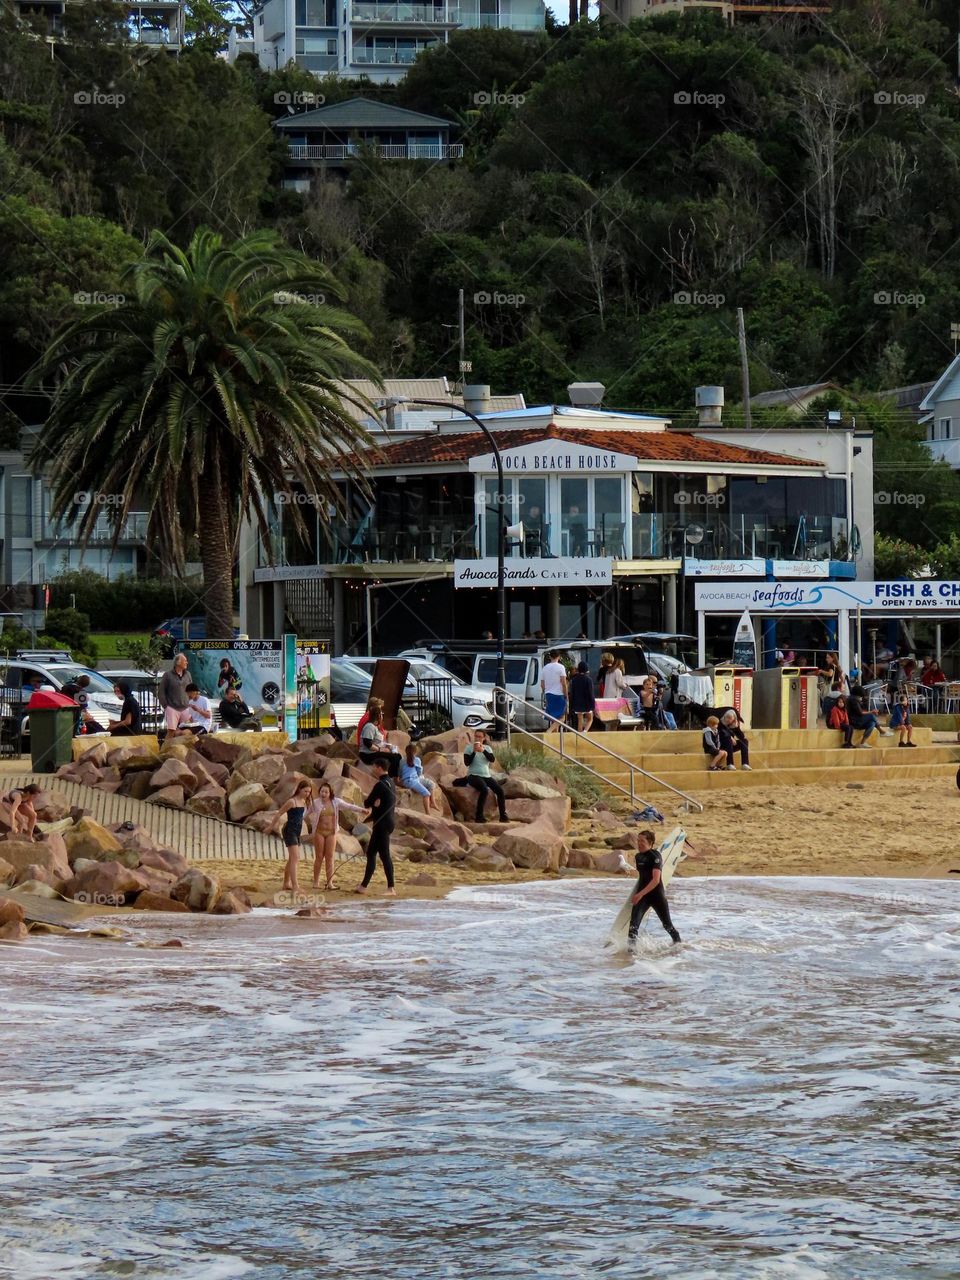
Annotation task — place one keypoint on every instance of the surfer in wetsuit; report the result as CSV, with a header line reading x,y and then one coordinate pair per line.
x,y
649,891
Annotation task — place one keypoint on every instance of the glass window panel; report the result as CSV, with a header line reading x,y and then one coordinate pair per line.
x,y
573,515
21,566
608,514
21,506
491,511
532,510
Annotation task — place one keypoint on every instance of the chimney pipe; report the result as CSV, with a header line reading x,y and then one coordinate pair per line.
x,y
476,398
709,401
586,395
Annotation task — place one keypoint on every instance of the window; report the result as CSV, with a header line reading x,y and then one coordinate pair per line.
x,y
944,429
21,566
21,506
573,515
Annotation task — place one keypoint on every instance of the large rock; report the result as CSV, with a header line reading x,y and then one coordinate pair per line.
x,y
333,769
427,825
136,784
10,910
581,859
175,749
454,741
348,790
232,902
528,773
515,788
399,738
174,773
213,747
51,806
132,836
14,931
161,882
199,891
88,839
266,769
307,763
250,798
283,790
150,901
164,860
361,774
342,751
206,771
7,871
610,861
136,757
261,821
171,797
536,847
348,846
554,813
39,889
95,755
39,874
106,884
209,802
480,858
51,854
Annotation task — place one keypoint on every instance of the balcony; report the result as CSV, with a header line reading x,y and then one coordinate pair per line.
x,y
409,15
947,451
383,151
133,530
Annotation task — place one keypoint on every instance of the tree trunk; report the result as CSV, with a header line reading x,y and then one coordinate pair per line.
x,y
584,10
216,555
573,12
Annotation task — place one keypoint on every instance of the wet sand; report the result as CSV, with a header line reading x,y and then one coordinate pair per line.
x,y
871,829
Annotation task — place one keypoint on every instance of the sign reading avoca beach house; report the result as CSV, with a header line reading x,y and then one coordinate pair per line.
x,y
535,571
554,457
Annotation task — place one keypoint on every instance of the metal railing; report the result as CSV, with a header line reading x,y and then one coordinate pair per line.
x,y
409,14
545,740
434,696
384,151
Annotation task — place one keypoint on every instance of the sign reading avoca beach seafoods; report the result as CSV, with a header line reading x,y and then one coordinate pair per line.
x,y
555,571
917,596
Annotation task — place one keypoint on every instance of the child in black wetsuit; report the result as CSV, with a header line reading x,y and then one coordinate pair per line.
x,y
649,892
293,810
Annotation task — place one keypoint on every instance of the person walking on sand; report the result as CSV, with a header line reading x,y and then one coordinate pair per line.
x,y
478,758
172,694
553,686
582,697
902,723
325,815
292,811
712,747
649,892
381,804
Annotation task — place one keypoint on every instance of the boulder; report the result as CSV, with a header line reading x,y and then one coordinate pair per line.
x,y
348,846
622,840
87,774
232,902
213,747
51,806
333,770
88,839
398,738
95,755
260,821
266,769
360,830
41,875
148,900
140,757
175,749
136,784
10,910
161,882
342,751
174,773
349,790
39,889
580,859
7,871
361,774
200,892
164,860
206,771
604,818
515,788
527,773
609,861
283,790
51,854
132,836
480,858
209,802
454,741
311,913
105,884
553,813
250,798
536,847
305,763
14,931
423,879
168,797
429,826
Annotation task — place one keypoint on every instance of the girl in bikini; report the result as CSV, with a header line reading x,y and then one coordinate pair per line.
x,y
325,813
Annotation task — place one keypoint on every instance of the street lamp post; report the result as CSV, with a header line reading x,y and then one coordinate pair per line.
x,y
500,699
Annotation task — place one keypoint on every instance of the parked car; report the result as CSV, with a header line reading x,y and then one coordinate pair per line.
x,y
470,707
15,676
172,630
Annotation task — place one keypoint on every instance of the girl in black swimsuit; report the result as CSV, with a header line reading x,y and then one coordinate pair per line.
x,y
293,810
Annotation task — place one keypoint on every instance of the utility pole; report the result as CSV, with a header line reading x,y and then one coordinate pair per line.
x,y
744,369
463,340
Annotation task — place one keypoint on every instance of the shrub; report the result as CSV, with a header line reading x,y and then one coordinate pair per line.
x,y
140,602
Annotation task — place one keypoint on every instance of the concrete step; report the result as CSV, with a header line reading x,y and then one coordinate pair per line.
x,y
811,775
837,758
685,742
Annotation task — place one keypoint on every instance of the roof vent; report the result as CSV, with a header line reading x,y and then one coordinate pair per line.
x,y
709,401
477,398
586,395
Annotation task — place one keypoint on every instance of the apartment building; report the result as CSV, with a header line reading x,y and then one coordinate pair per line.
x,y
625,11
379,40
155,24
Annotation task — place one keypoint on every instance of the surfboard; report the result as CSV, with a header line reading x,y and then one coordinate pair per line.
x,y
745,642
671,851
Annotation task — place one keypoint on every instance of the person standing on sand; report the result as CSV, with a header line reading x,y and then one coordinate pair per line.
x,y
381,802
325,815
649,892
293,810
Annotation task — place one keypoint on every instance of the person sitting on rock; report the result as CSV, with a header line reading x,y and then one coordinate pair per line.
x,y
374,745
16,809
412,779
478,758
234,712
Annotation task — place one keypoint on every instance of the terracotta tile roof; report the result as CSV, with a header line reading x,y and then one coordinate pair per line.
x,y
649,446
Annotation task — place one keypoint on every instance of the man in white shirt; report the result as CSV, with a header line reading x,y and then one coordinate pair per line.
x,y
553,686
196,717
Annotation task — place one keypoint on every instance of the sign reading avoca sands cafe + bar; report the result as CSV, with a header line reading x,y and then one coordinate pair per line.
x,y
916,596
553,571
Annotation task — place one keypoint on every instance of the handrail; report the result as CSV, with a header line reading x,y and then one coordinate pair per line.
x,y
544,740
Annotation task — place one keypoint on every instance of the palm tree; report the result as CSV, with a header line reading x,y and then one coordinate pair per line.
x,y
210,388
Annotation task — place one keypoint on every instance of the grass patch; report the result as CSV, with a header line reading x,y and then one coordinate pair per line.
x,y
106,641
583,789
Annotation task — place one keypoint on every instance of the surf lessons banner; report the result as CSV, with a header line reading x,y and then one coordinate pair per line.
x,y
257,665
922,596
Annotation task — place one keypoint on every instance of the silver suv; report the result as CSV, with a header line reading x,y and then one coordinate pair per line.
x,y
17,674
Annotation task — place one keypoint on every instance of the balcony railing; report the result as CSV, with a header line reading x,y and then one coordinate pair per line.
x,y
385,151
133,529
408,14
386,57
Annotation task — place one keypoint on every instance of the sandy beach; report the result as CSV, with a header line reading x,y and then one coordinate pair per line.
x,y
904,829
